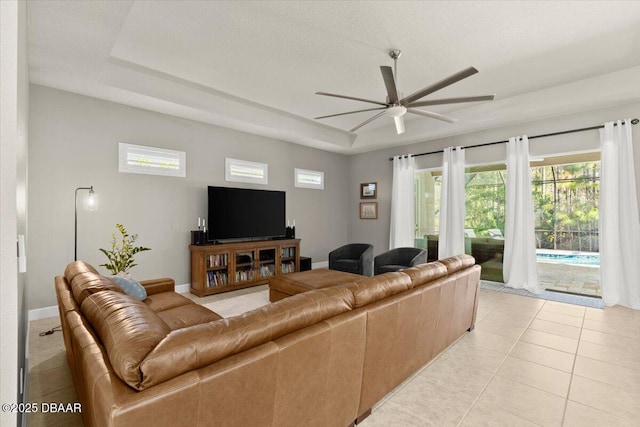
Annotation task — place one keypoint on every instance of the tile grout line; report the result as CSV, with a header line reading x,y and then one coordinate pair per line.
x,y
497,369
573,368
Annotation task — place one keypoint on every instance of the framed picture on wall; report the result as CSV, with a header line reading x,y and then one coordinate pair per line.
x,y
368,210
369,190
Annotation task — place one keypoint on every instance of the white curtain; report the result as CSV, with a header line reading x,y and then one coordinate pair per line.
x,y
619,222
452,208
402,231
520,269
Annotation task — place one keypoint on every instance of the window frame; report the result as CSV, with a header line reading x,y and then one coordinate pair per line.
x,y
229,175
298,173
154,168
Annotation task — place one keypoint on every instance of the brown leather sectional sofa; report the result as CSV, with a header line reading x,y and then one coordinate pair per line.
x,y
319,358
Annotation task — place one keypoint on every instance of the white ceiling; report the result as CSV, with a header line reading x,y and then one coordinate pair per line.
x,y
255,65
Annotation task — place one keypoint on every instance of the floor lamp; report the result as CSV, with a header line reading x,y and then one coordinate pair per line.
x,y
91,205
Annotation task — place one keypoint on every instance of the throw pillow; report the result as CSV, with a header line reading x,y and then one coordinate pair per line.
x,y
131,287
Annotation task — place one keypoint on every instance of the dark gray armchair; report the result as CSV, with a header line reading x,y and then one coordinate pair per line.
x,y
398,259
353,258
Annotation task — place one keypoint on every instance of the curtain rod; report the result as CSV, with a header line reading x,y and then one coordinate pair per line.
x,y
633,122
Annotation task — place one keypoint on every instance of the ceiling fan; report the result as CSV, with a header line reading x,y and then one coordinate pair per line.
x,y
396,106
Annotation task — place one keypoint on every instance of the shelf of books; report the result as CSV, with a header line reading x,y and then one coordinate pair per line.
x,y
224,267
217,269
267,262
288,259
245,266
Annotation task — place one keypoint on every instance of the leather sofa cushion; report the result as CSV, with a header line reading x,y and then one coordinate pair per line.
x,y
77,267
84,280
187,315
88,283
378,287
178,311
303,281
425,273
157,286
458,262
166,301
191,348
128,329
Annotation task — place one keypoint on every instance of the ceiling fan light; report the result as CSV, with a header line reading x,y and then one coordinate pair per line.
x,y
397,111
399,124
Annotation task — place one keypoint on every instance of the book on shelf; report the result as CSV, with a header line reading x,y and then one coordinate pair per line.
x,y
288,267
267,270
288,252
217,260
244,275
217,278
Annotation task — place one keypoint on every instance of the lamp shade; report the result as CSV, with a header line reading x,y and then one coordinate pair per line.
x,y
91,201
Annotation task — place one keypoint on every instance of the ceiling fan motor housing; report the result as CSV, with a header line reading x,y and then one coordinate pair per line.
x,y
395,111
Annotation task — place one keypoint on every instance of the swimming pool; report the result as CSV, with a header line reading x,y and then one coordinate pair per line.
x,y
582,258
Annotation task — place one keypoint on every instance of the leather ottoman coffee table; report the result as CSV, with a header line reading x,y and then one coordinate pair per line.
x,y
294,283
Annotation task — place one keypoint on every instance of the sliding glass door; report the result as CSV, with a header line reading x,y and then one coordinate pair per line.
x,y
427,192
566,193
484,224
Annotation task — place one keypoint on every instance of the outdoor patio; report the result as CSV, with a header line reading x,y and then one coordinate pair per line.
x,y
577,279
553,276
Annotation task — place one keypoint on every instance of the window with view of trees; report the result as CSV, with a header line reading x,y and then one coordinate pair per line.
x,y
485,201
565,199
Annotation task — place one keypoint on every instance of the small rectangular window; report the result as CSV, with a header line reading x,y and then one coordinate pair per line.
x,y
246,171
309,179
151,160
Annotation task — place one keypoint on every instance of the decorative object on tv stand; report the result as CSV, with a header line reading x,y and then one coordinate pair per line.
x,y
291,230
121,254
369,190
90,204
199,236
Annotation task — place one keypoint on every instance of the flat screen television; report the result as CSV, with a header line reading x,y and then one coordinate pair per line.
x,y
242,213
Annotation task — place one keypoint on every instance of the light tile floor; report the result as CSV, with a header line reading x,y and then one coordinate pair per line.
x,y
529,362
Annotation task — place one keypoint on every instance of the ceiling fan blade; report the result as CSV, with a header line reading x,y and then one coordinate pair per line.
x,y
432,115
399,124
390,83
439,85
452,101
350,112
352,98
380,114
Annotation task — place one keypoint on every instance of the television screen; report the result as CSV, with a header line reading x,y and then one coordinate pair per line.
x,y
242,213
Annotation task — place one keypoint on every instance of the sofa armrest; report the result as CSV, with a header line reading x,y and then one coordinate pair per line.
x,y
156,286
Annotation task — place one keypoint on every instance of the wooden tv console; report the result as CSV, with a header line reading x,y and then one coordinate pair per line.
x,y
229,266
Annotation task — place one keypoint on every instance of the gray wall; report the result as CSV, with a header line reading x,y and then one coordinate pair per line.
x,y
73,142
375,166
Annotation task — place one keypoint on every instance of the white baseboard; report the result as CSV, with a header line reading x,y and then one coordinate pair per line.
x,y
43,313
183,289
322,264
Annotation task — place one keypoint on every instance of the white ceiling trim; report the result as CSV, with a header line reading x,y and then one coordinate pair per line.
x,y
254,66
223,109
618,88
